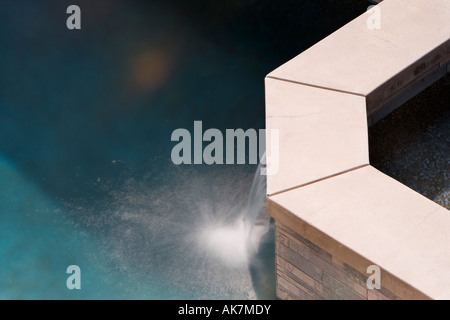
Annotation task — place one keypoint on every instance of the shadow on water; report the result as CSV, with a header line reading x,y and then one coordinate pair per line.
x,y
262,267
86,117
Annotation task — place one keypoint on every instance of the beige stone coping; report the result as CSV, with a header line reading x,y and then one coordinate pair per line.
x,y
325,188
380,220
377,63
321,133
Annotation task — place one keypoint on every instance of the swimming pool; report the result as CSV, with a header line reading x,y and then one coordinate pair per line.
x,y
85,124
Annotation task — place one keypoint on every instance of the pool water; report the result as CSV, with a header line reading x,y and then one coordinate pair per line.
x,y
412,144
85,123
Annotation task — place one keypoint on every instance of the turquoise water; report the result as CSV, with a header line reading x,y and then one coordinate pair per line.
x,y
85,124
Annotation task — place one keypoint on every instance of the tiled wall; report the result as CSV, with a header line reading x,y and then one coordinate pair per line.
x,y
306,271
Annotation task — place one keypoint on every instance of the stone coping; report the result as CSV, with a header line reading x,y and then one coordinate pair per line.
x,y
377,63
325,188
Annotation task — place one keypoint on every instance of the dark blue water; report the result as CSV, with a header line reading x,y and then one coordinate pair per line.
x,y
85,122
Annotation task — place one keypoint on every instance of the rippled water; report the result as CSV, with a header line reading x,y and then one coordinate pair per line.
x,y
412,144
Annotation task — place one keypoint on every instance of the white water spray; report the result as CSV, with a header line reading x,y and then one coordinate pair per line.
x,y
237,241
200,235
